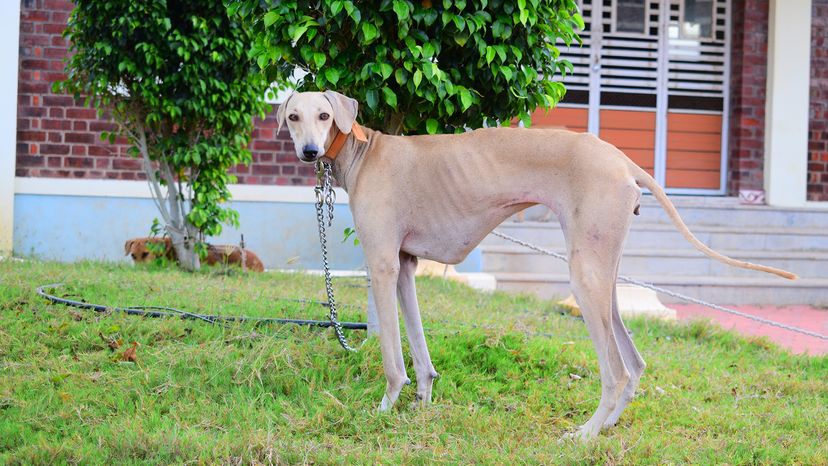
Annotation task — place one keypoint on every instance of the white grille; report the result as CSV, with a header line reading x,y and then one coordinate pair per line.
x,y
697,66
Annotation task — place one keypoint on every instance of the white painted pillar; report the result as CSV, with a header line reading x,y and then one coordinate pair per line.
x,y
9,37
787,101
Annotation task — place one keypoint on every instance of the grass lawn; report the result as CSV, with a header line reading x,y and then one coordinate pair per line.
x,y
516,375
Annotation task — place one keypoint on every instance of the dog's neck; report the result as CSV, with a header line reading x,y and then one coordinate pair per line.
x,y
349,160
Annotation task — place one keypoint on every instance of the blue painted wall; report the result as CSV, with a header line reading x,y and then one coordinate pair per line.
x,y
283,235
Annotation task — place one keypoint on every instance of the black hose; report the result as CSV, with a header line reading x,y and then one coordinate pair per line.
x,y
161,311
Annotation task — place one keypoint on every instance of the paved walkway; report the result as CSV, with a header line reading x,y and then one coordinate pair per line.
x,y
809,318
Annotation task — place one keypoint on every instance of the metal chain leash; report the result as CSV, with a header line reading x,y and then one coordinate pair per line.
x,y
325,195
668,292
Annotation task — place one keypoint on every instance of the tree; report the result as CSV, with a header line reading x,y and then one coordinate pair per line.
x,y
420,66
179,84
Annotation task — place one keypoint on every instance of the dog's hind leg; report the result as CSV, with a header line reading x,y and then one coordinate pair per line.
x,y
407,292
384,271
595,240
632,360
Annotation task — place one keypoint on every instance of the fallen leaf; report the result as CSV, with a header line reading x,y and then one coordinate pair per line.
x,y
112,343
129,354
76,315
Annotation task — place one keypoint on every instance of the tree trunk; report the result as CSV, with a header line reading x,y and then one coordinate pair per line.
x,y
393,124
171,206
184,245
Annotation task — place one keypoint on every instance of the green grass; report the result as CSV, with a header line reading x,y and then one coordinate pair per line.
x,y
283,394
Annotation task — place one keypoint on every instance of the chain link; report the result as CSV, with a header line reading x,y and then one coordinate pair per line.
x,y
325,195
674,294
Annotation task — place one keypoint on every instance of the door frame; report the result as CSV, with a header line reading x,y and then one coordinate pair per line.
x,y
662,89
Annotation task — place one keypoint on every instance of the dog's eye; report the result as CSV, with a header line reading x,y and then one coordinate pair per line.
x,y
144,255
293,117
324,116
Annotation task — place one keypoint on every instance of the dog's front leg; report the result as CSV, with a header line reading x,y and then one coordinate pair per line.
x,y
384,271
407,292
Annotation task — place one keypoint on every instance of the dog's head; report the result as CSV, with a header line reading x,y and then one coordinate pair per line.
x,y
146,249
314,118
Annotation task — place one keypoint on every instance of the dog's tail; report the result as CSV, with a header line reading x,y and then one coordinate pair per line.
x,y
645,180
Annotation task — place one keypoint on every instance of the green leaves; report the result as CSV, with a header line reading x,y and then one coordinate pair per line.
x,y
332,75
438,66
390,97
369,32
401,9
181,78
465,98
372,99
432,126
271,17
417,78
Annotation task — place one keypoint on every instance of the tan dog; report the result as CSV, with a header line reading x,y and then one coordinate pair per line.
x,y
437,197
216,254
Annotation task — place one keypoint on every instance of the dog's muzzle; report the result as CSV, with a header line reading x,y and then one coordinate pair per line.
x,y
310,153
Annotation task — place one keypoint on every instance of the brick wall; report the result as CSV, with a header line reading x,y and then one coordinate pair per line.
x,y
747,95
59,138
818,130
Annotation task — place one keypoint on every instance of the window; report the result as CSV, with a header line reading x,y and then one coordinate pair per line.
x,y
631,16
697,19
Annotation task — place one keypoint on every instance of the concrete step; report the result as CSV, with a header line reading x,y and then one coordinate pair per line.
x,y
670,262
719,290
698,210
644,235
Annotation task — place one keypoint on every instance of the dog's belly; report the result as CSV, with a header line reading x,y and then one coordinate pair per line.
x,y
449,242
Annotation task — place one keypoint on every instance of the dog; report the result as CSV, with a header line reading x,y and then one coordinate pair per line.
x,y
216,254
437,196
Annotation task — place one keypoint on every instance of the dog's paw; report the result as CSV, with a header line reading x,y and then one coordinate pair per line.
x,y
579,436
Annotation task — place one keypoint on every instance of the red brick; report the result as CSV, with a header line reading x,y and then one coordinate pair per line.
x,y
35,64
56,149
81,113
78,162
97,126
31,136
265,170
59,5
99,150
58,100
36,112
86,138
56,124
126,164
30,160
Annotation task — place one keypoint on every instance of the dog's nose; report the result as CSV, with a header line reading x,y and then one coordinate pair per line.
x,y
310,151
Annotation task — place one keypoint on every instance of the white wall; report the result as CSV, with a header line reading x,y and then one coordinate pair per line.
x,y
786,106
9,37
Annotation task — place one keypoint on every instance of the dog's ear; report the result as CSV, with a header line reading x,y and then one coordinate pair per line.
x,y
280,113
128,246
344,110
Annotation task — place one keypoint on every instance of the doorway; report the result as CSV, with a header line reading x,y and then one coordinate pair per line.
x,y
652,78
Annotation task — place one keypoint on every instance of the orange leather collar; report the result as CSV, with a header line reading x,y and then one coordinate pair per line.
x,y
340,138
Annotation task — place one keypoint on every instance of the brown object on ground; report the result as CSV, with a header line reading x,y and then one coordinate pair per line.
x,y
129,353
216,253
